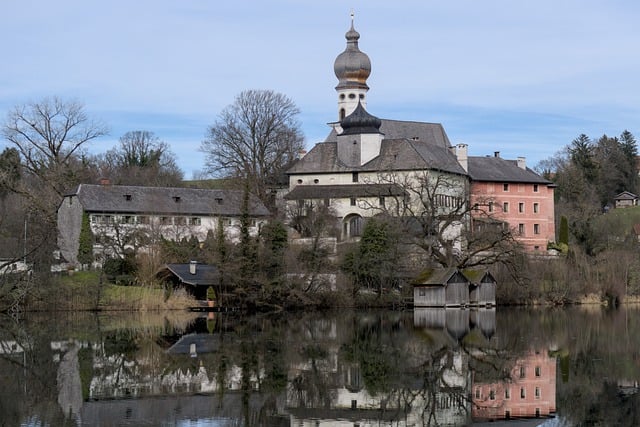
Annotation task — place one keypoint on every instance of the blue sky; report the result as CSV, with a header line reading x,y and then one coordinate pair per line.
x,y
520,77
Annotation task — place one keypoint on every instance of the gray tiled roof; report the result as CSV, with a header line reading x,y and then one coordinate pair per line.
x,y
497,169
432,133
395,154
205,274
163,200
306,192
626,195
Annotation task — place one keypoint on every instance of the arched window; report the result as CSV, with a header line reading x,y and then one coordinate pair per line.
x,y
342,113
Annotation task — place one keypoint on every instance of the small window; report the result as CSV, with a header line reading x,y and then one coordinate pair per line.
x,y
176,199
165,220
537,393
521,229
315,181
521,207
522,372
507,393
352,96
492,395
507,414
536,228
127,219
353,201
522,393
505,187
94,219
142,219
362,96
299,182
381,200
538,371
327,202
342,96
536,208
490,206
354,177
477,392
219,200
127,197
195,221
535,188
505,207
179,220
422,292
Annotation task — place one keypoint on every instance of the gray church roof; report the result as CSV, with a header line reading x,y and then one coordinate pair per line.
x,y
305,192
164,200
497,169
395,154
432,133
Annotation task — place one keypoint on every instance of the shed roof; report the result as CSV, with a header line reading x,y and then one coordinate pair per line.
x,y
165,200
302,192
477,276
435,276
205,275
626,195
497,169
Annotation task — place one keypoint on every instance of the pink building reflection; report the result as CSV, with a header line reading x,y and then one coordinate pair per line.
x,y
529,392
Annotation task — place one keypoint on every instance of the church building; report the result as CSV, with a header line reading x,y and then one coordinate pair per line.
x,y
369,166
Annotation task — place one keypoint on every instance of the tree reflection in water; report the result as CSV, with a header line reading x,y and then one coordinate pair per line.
x,y
385,368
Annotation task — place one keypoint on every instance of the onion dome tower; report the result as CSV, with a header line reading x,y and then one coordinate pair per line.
x,y
360,140
352,68
359,122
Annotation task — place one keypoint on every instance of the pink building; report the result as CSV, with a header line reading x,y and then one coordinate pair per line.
x,y
507,192
530,392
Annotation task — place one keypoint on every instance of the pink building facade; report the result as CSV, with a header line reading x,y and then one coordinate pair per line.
x,y
530,392
506,191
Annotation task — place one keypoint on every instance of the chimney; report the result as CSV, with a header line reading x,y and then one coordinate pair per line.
x,y
462,156
301,153
105,181
192,266
496,154
522,164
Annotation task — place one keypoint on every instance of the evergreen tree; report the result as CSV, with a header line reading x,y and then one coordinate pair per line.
x,y
85,248
563,233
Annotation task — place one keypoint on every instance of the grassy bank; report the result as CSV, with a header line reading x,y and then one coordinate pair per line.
x,y
85,290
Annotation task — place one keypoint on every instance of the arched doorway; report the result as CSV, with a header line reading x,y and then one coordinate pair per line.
x,y
352,226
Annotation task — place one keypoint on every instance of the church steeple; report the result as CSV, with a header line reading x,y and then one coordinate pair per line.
x,y
352,68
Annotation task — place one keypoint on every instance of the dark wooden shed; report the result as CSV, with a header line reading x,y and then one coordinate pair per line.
x,y
482,287
195,277
443,287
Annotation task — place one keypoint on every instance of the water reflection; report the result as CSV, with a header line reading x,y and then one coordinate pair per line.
x,y
426,367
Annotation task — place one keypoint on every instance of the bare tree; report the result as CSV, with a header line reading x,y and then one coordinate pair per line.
x,y
254,138
141,158
49,136
434,213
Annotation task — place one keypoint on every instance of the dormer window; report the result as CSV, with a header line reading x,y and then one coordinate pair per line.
x,y
127,197
176,199
219,200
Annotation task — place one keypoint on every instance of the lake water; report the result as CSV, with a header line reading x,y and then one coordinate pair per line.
x,y
551,367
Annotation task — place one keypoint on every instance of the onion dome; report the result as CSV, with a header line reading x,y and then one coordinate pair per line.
x,y
359,122
352,67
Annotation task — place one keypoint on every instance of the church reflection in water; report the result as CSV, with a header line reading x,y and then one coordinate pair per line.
x,y
429,367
